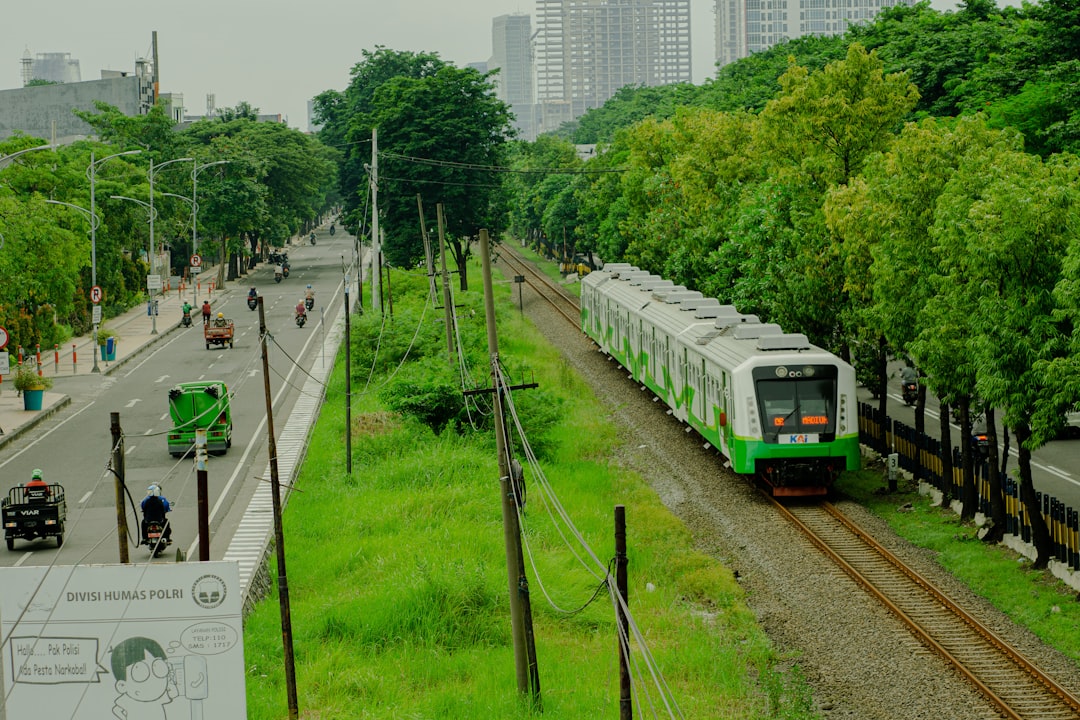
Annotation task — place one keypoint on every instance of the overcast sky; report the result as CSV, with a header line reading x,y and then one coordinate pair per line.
x,y
274,54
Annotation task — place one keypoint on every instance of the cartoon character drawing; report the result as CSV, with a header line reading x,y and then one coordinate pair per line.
x,y
143,680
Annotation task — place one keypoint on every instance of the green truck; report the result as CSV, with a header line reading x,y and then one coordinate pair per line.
x,y
200,405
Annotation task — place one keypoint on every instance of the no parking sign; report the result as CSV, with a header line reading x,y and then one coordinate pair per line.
x,y
96,294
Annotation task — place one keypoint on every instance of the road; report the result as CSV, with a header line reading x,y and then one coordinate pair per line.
x,y
74,447
1055,467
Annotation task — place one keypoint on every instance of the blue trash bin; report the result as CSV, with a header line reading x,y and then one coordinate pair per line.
x,y
108,350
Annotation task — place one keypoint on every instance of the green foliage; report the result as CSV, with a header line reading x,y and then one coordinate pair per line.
x,y
428,391
27,378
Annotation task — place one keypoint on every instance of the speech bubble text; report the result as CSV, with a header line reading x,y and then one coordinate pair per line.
x,y
209,638
55,660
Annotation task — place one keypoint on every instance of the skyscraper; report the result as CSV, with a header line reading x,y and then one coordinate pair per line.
x,y
744,27
589,49
511,42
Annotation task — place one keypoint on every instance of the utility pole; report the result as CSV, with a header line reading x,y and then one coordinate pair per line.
x,y
528,676
279,533
348,378
376,245
626,706
448,300
202,483
118,481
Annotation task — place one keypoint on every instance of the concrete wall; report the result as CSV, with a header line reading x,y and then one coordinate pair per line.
x,y
34,110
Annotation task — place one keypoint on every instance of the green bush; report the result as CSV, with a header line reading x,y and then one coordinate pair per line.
x,y
428,391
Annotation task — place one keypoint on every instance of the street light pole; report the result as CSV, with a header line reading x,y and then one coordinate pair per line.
x,y
195,214
153,291
91,172
150,208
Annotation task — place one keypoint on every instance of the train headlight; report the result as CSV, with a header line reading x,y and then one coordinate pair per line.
x,y
808,371
781,372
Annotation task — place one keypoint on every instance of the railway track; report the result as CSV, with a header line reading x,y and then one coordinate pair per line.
x,y
1001,673
542,285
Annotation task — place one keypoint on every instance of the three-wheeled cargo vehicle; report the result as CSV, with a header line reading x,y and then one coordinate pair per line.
x,y
202,405
34,512
218,334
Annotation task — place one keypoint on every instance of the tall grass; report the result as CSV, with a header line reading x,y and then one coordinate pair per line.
x,y
397,572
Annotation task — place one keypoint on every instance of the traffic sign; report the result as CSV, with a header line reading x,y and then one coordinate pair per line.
x,y
96,294
96,315
196,260
153,282
3,338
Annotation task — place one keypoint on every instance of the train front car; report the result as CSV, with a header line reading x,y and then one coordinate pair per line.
x,y
802,428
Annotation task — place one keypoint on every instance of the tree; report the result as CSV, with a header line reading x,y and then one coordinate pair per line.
x,y
441,137
1005,222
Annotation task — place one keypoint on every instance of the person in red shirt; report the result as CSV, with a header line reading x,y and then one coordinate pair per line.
x,y
206,312
37,488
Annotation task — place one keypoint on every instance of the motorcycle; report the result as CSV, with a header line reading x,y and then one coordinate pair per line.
x,y
153,536
312,238
301,318
185,321
253,302
285,270
309,302
910,393
277,274
331,230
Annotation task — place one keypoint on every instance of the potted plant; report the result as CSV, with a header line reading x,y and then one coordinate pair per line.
x,y
32,386
107,341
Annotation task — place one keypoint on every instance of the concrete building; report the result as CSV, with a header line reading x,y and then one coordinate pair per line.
x,y
748,26
512,54
589,49
45,111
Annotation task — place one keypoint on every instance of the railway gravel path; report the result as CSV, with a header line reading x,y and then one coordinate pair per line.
x,y
861,662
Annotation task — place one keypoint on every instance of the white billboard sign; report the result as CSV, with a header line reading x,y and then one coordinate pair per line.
x,y
133,641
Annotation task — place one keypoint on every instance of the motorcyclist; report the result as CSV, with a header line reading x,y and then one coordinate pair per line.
x,y
154,506
277,270
312,237
253,293
309,293
220,320
186,309
908,375
206,312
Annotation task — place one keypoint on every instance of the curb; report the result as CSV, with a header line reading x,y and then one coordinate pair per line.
x,y
40,417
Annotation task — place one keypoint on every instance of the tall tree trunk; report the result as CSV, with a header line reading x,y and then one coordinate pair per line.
x,y
1040,534
458,248
920,427
969,495
946,457
881,378
997,497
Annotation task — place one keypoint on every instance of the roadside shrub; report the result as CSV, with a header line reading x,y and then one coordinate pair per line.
x,y
428,391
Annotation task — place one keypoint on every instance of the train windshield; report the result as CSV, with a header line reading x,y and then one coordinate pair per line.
x,y
805,405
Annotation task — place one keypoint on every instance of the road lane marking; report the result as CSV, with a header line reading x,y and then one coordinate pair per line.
x,y
132,402
49,432
85,497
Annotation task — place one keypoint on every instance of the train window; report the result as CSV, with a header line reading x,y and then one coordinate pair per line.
x,y
802,406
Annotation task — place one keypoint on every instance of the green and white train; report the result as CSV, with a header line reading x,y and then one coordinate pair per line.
x,y
777,407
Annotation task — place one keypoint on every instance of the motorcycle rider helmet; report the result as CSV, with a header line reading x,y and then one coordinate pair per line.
x,y
308,287
221,315
36,475
154,490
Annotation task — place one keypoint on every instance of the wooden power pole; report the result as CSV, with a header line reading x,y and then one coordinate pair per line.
x,y
118,480
528,676
279,533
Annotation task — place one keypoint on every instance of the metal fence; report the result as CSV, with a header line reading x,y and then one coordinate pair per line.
x,y
885,435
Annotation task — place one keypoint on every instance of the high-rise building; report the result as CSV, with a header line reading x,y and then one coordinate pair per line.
x,y
744,27
512,55
53,67
589,49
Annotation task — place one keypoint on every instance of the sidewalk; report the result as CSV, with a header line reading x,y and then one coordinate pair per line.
x,y
135,330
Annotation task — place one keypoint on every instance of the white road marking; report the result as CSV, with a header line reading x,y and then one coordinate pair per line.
x,y
133,401
85,497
